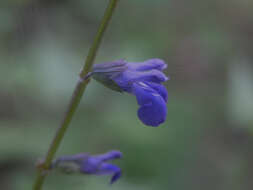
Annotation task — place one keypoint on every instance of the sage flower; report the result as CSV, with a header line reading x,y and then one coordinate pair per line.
x,y
142,79
87,164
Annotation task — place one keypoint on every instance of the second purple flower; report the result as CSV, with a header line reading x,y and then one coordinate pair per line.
x,y
90,164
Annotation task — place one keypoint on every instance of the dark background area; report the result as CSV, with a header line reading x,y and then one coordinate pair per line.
x,y
206,141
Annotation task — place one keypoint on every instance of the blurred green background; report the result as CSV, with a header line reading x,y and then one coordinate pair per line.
x,y
206,142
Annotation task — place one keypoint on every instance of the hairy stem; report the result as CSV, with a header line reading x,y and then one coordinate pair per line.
x,y
76,97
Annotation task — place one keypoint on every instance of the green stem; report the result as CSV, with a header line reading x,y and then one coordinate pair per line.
x,y
76,97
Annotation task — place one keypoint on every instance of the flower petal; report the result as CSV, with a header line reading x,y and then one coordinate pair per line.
x,y
160,89
92,164
107,168
109,155
152,109
127,78
148,65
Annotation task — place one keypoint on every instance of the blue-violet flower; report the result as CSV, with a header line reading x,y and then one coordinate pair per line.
x,y
143,79
87,164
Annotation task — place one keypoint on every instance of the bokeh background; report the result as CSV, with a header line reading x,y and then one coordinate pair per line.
x,y
206,142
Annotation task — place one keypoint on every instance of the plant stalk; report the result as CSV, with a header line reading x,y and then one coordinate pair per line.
x,y
76,97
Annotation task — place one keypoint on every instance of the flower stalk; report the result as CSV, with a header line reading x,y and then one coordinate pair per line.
x,y
76,97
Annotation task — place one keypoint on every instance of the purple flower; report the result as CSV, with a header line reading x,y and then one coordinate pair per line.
x,y
87,164
143,79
